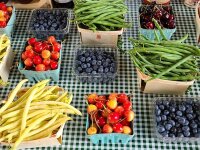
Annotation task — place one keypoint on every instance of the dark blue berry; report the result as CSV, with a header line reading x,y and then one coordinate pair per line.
x,y
189,116
168,126
164,117
197,135
83,66
179,113
181,108
180,135
89,70
166,112
181,120
82,59
100,70
186,122
79,69
186,128
88,59
88,65
99,63
186,133
173,130
106,70
177,125
172,109
189,110
194,131
158,118
162,107
94,62
158,112
164,134
94,72
171,135
172,122
161,128
193,125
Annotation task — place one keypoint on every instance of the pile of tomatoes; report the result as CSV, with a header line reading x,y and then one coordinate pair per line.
x,y
110,114
41,55
5,14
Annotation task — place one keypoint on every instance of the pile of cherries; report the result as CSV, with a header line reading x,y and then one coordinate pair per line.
x,y
5,14
111,113
163,14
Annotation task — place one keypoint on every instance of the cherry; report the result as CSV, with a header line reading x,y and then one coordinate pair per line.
x,y
3,6
37,60
112,104
55,55
118,128
129,115
106,112
29,53
23,56
91,108
171,24
46,54
47,67
29,47
149,25
127,130
127,105
171,17
31,41
56,46
119,110
101,121
107,128
99,104
92,98
46,62
3,24
125,123
92,130
28,62
38,47
113,96
101,98
51,39
54,65
165,16
122,98
158,14
113,117
40,67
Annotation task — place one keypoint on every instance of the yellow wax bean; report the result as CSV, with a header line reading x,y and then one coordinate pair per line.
x,y
12,96
62,96
9,126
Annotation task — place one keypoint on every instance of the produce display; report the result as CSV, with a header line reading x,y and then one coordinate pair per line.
x,y
96,62
41,55
177,118
103,15
34,113
5,14
166,59
110,114
163,14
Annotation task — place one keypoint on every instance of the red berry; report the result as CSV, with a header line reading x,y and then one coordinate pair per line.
x,y
99,105
113,117
119,110
3,24
107,128
92,98
29,53
54,65
31,41
127,105
129,115
28,62
118,128
55,55
56,47
51,39
101,121
23,56
3,6
37,60
40,67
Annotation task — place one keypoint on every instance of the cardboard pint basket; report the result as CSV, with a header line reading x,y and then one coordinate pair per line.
x,y
159,86
99,37
6,64
54,140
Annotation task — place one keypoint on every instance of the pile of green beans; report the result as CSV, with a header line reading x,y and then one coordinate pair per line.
x,y
166,59
102,15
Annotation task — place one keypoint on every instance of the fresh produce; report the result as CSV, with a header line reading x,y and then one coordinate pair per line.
x,y
104,15
41,55
109,117
34,113
163,14
166,59
95,62
4,43
43,20
5,14
163,2
176,118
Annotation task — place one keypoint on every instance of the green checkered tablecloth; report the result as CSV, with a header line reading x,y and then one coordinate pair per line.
x,y
74,136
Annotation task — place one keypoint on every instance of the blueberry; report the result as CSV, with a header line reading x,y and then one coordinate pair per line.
x,y
158,118
89,70
94,72
164,117
36,25
172,122
82,59
100,70
83,66
87,54
177,125
111,69
179,113
99,57
193,125
186,128
188,101
180,135
78,62
162,107
171,135
88,59
79,69
166,103
94,62
186,122
158,112
181,120
108,60
172,109
105,64
189,116
197,135
161,129
164,134
88,65
113,64
168,126
172,115
99,63
173,130
189,110
186,133
54,25
159,102
194,131
179,130
106,70
95,67
181,108
166,112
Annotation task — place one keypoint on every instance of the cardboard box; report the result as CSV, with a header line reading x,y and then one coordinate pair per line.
x,y
159,86
197,21
99,37
54,140
6,64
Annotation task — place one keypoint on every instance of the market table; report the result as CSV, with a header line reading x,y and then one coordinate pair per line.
x,y
74,136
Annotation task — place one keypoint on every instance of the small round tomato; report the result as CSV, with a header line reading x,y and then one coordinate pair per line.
x,y
118,128
113,117
51,39
29,53
40,67
31,41
46,62
28,62
37,60
57,47
55,55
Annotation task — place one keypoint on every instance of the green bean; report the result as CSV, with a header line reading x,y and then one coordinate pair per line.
x,y
160,30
